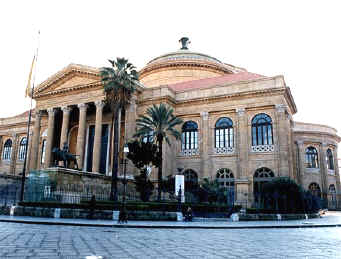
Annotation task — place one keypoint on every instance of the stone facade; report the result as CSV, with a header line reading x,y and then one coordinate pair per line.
x,y
70,107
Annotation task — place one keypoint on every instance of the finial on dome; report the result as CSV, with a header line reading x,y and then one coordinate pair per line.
x,y
184,42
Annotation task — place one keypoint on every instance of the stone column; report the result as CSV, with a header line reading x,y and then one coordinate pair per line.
x,y
301,162
242,146
98,137
283,140
50,132
65,126
81,134
205,147
12,165
35,141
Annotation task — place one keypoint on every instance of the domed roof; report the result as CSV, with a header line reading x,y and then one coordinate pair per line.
x,y
183,65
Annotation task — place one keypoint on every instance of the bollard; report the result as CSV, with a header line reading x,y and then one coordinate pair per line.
x,y
115,214
12,210
56,213
306,216
279,217
235,217
179,216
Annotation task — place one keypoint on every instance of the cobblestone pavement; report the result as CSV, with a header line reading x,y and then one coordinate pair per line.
x,y
46,241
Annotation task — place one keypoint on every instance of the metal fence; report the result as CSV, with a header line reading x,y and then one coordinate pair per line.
x,y
9,194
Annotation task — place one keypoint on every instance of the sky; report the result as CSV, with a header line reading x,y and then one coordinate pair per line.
x,y
298,39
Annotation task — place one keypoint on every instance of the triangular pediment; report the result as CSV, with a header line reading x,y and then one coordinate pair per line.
x,y
72,77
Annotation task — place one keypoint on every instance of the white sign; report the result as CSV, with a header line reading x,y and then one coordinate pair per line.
x,y
180,184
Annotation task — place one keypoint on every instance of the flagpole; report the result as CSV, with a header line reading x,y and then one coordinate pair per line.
x,y
23,176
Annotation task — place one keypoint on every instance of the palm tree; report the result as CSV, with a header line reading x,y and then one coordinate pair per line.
x,y
119,82
160,122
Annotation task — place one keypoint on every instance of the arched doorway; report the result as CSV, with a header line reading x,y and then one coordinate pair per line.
x,y
332,196
225,179
191,180
261,176
315,189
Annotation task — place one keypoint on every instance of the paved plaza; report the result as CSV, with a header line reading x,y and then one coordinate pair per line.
x,y
57,241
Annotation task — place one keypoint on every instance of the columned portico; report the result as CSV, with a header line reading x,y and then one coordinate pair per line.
x,y
98,136
65,125
50,131
35,141
81,134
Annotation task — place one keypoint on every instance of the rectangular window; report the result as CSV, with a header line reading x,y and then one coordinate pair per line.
x,y
260,141
265,135
231,137
254,136
270,135
217,138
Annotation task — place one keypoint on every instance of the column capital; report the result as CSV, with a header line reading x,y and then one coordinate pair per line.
x,y
300,142
38,113
99,104
51,111
82,106
204,115
281,108
240,111
66,109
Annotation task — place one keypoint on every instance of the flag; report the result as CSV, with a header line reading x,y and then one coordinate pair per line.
x,y
28,88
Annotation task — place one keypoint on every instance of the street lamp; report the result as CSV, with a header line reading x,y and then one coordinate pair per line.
x,y
123,214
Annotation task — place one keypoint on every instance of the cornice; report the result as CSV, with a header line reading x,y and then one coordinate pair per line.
x,y
319,133
66,90
145,71
72,68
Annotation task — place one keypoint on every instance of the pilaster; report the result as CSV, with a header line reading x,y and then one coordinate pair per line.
x,y
301,162
12,166
283,130
242,146
205,146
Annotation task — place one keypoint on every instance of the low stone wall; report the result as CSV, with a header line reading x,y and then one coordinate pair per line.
x,y
86,213
251,217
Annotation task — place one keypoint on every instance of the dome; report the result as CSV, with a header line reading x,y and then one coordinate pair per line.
x,y
182,66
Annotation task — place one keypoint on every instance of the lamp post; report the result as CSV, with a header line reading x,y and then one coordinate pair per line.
x,y
123,217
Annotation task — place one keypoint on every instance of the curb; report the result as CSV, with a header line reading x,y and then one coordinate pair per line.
x,y
169,226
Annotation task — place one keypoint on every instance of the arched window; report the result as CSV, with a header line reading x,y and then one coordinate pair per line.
x,y
191,179
6,154
43,149
225,178
22,148
261,176
148,137
332,193
224,133
189,137
315,190
311,157
330,159
262,130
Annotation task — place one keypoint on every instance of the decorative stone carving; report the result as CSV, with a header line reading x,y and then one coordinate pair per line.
x,y
240,111
263,148
224,150
280,107
190,152
204,115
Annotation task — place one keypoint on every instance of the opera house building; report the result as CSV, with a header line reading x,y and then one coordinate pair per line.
x,y
238,126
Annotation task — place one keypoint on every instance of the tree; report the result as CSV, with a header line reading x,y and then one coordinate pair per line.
x,y
160,123
119,82
143,154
